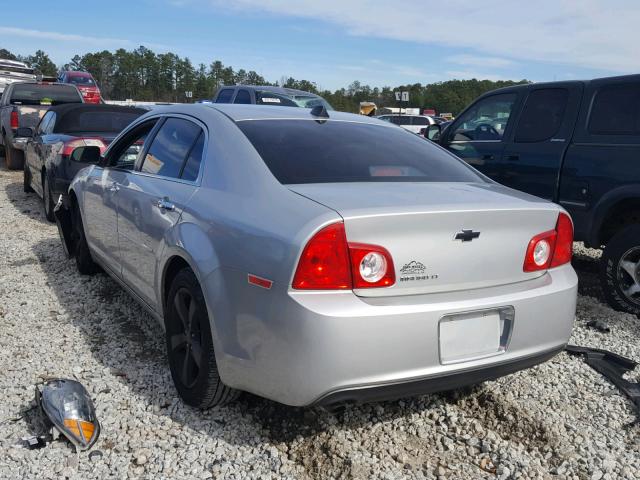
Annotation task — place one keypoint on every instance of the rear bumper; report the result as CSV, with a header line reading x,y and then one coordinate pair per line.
x,y
393,391
302,348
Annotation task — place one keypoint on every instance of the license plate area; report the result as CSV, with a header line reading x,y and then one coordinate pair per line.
x,y
467,336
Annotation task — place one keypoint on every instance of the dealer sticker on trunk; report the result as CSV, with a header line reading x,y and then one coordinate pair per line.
x,y
415,270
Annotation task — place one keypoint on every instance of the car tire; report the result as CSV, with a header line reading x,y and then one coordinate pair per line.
x,y
84,262
190,345
47,199
620,270
14,158
26,180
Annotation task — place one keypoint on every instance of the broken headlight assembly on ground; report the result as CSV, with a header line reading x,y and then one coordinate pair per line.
x,y
69,407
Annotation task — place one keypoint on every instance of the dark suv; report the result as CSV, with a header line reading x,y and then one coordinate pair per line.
x,y
576,143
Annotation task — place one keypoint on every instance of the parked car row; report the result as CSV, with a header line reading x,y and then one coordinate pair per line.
x,y
49,167
24,101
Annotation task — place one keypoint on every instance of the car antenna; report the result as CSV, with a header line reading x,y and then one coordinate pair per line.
x,y
320,111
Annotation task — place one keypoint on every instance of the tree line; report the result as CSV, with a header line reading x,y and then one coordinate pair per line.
x,y
144,75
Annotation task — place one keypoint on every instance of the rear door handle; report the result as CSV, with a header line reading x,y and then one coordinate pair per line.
x,y
513,158
165,204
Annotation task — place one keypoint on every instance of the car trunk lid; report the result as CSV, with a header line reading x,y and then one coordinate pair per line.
x,y
442,236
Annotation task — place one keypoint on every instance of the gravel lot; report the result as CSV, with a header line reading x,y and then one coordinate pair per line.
x,y
558,420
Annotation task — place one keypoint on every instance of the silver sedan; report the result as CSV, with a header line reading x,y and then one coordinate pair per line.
x,y
315,257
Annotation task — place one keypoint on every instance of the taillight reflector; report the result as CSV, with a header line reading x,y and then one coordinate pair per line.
x,y
14,123
71,145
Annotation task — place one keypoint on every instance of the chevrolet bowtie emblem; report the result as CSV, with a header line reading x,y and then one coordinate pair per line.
x,y
466,235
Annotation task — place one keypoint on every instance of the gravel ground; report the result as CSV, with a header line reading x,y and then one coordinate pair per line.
x,y
557,420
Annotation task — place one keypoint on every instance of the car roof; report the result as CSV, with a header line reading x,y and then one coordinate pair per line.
x,y
514,88
13,63
242,112
270,88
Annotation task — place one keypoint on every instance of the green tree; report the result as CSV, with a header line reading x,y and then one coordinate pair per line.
x,y
42,64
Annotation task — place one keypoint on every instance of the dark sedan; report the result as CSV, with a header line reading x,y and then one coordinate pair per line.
x,y
48,167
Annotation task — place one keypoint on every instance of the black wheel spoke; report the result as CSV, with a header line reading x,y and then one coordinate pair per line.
x,y
178,341
184,376
181,309
196,353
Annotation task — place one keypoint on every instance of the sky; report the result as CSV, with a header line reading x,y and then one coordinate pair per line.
x,y
334,42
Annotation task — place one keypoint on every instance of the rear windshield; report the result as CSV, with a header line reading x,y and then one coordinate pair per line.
x,y
97,121
83,81
37,94
307,101
309,151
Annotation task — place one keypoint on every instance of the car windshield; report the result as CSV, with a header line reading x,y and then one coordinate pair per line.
x,y
311,151
42,94
264,97
82,80
308,101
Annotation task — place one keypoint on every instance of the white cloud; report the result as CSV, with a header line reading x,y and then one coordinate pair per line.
x,y
84,40
480,61
584,33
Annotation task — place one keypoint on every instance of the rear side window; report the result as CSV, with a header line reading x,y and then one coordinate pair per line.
x,y
420,121
307,151
616,110
243,96
169,148
192,165
42,94
542,115
225,95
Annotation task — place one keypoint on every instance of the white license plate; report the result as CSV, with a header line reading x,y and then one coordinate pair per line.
x,y
469,335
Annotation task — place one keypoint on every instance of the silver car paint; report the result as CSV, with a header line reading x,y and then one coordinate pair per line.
x,y
293,346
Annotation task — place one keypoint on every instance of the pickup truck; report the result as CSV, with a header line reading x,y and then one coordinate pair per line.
x,y
23,105
576,143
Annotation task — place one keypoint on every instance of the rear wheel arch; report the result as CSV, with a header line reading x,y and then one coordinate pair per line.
x,y
615,217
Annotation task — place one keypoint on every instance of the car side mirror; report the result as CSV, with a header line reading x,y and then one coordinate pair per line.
x,y
433,133
24,132
88,155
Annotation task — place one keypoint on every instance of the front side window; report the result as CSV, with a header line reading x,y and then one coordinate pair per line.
x,y
225,95
616,110
124,154
542,115
170,147
307,151
486,120
243,97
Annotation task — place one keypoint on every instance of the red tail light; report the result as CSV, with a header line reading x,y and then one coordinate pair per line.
x,y
564,241
328,262
14,120
71,145
550,249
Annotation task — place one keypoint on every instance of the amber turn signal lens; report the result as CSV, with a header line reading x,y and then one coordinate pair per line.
x,y
81,429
